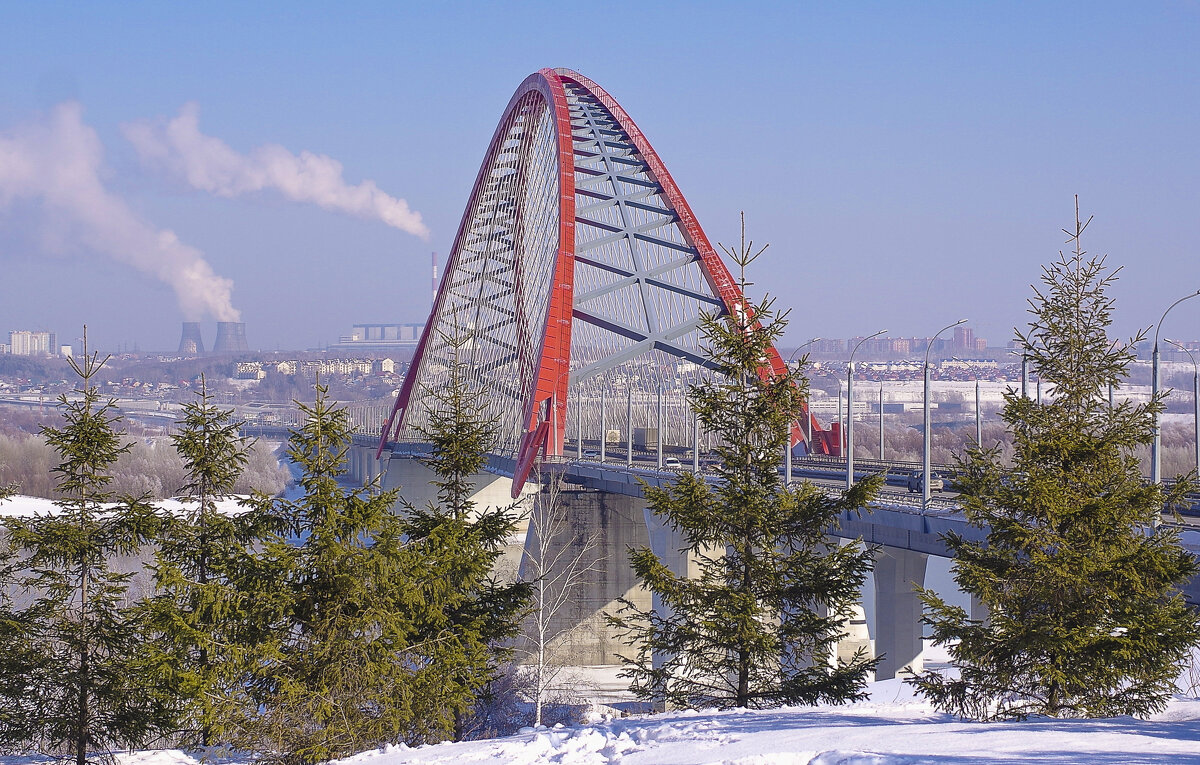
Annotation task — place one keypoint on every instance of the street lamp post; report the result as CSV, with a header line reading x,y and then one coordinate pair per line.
x,y
925,450
629,426
603,426
850,410
660,426
787,456
881,420
1156,447
1195,399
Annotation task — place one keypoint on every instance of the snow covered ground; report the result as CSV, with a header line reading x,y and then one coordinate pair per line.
x,y
893,728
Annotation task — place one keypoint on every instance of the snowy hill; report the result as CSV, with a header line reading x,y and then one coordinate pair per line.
x,y
893,728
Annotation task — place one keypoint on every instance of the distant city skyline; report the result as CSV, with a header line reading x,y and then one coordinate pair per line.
x,y
295,165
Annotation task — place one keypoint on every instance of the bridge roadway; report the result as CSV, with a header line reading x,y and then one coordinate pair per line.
x,y
896,518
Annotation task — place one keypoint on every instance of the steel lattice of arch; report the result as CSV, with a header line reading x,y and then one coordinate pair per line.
x,y
578,268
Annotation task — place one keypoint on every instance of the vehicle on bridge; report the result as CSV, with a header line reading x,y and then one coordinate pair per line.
x,y
936,482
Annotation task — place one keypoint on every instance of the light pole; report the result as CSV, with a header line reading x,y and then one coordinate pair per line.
x,y
925,450
881,420
1195,398
1156,447
850,410
629,425
659,423
603,426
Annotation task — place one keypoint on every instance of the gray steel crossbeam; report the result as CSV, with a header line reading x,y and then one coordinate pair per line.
x,y
631,232
607,201
604,175
631,278
599,224
604,201
651,317
664,242
660,341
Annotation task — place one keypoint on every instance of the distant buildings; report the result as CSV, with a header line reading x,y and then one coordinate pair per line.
x,y
22,342
963,342
257,370
379,338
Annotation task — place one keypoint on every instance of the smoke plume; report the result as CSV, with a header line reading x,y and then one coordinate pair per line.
x,y
211,165
58,162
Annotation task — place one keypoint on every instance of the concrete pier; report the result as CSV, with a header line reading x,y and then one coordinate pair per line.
x,y
898,627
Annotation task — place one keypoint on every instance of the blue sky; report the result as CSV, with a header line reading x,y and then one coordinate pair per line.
x,y
910,164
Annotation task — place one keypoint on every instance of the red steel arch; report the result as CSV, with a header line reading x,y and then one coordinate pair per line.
x,y
554,125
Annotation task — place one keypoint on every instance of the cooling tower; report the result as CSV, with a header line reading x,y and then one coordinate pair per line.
x,y
191,343
231,337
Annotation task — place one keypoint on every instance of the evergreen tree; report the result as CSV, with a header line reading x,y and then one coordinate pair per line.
x,y
338,672
199,615
88,687
758,624
21,663
479,614
1084,615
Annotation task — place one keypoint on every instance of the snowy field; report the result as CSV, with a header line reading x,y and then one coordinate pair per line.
x,y
893,728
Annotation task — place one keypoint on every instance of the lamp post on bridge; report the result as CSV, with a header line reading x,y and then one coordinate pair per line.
x,y
850,409
603,426
787,449
928,423
629,424
659,430
1156,446
881,420
1195,398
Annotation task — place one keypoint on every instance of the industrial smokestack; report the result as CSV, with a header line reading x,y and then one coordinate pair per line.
x,y
231,337
191,343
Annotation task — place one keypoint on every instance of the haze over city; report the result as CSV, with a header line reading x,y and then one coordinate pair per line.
x,y
294,166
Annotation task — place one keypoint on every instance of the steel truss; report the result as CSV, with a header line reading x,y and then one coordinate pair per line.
x,y
579,274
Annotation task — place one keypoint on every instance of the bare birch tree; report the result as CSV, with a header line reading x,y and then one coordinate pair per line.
x,y
559,562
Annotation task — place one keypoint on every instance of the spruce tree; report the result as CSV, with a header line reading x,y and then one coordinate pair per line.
x,y
89,688
21,663
479,614
344,595
1085,618
757,624
199,614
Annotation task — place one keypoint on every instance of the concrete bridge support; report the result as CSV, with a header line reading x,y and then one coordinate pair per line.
x,y
898,626
611,524
412,478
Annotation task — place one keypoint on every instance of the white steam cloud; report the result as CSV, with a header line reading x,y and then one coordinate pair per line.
x,y
209,164
58,162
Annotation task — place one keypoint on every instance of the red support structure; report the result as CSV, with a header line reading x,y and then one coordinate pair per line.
x,y
548,365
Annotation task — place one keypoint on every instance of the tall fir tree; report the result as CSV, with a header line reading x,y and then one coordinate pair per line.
x,y
339,673
757,625
21,663
90,691
1081,586
203,630
479,614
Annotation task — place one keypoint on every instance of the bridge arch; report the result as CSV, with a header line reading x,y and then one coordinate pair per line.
x,y
578,270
